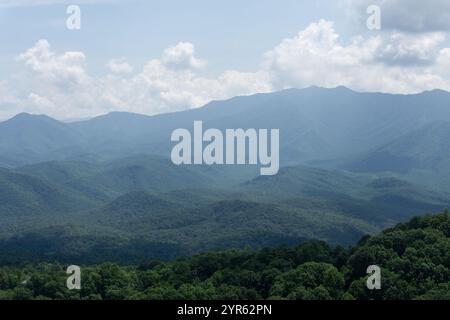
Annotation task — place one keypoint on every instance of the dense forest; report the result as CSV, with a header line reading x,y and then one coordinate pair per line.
x,y
105,189
144,207
414,258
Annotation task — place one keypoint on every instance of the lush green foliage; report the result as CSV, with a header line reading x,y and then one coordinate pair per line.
x,y
143,206
414,257
89,204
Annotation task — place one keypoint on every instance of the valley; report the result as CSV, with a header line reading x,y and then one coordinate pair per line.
x,y
144,207
105,189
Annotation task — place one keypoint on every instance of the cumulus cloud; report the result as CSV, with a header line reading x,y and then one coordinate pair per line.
x,y
61,86
67,68
406,15
171,84
56,84
42,103
407,49
182,56
395,62
6,94
8,101
313,57
119,66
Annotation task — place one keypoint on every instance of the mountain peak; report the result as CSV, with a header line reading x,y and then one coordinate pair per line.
x,y
325,89
24,116
437,91
120,115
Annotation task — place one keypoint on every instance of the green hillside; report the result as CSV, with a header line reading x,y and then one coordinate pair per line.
x,y
27,139
144,207
27,201
414,258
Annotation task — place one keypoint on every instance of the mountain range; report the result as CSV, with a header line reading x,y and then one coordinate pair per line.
x,y
105,189
317,125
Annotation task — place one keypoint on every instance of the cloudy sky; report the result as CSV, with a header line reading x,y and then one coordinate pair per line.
x,y
161,56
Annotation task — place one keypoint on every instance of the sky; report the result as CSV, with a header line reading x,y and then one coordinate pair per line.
x,y
163,56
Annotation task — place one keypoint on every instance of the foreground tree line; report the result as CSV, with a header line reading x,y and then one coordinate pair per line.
x,y
414,259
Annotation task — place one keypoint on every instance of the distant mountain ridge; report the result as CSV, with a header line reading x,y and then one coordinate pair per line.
x,y
143,206
352,163
318,126
35,138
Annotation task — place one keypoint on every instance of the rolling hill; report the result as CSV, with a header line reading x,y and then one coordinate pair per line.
x,y
133,208
27,139
324,127
352,163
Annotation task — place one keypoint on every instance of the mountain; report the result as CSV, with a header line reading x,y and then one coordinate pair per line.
x,y
127,209
29,138
27,202
420,156
423,148
106,180
316,125
105,188
370,198
326,127
414,258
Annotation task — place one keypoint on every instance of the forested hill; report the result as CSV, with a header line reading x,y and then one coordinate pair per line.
x,y
414,258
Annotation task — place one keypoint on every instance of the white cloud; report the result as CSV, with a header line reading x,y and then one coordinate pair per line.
x,y
119,66
164,85
43,104
389,62
56,84
8,101
313,57
67,68
407,49
60,85
406,15
6,94
182,56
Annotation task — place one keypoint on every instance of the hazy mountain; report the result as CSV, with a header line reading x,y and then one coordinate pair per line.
x,y
318,126
27,202
34,138
105,180
427,147
378,200
106,186
143,206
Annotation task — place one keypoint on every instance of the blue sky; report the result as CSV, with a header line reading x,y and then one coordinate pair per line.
x,y
229,34
161,56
